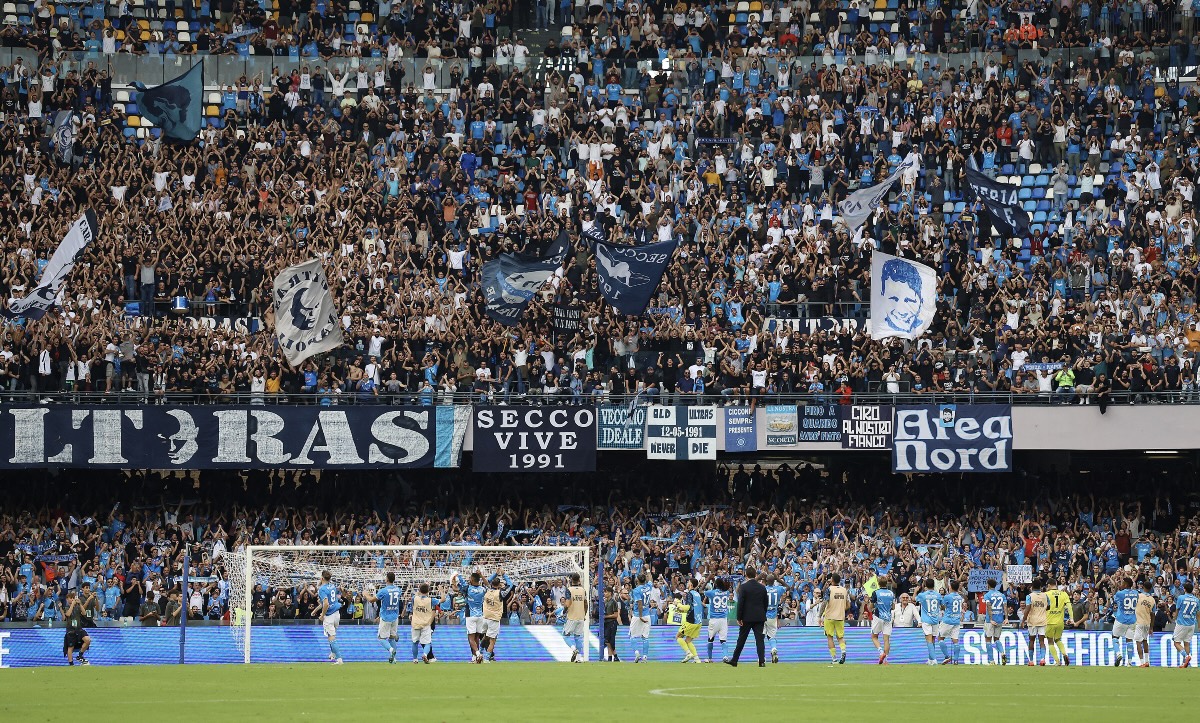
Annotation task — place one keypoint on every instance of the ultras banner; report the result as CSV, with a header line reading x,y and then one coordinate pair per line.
x,y
239,437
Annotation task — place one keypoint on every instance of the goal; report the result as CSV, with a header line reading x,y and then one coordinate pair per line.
x,y
355,569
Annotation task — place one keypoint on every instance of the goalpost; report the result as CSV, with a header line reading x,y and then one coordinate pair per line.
x,y
356,567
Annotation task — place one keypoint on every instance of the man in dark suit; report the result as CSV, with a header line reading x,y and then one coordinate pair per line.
x,y
751,615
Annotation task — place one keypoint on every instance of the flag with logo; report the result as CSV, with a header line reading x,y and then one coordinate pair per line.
x,y
64,135
1000,200
903,297
306,319
43,297
177,106
509,284
858,206
629,274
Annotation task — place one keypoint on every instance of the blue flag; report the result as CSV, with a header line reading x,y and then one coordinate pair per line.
x,y
630,274
509,283
176,106
1001,201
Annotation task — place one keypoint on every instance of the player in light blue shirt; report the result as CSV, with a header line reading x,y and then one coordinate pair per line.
x,y
639,626
718,610
952,616
473,589
1185,622
882,605
930,603
996,612
775,594
389,598
1124,618
330,612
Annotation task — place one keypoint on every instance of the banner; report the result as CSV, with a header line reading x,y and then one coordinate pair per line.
x,y
820,423
534,439
858,206
232,437
567,319
306,319
685,433
977,579
781,425
741,430
64,135
629,274
903,297
811,325
1000,200
43,297
1019,574
509,283
953,438
620,427
175,106
292,643
866,426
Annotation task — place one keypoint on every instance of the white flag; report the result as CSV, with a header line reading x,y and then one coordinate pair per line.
x,y
859,205
44,296
306,319
903,297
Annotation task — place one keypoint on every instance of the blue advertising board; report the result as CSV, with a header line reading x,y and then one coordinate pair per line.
x,y
31,647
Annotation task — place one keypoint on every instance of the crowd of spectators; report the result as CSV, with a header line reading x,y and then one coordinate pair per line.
x,y
917,528
406,186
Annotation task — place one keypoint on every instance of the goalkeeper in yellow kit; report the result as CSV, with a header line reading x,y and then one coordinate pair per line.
x,y
1058,607
681,613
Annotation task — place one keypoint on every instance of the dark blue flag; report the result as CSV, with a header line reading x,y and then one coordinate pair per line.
x,y
176,106
560,248
1001,202
509,283
595,234
630,274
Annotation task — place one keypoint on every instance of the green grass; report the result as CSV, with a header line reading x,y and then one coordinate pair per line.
x,y
612,692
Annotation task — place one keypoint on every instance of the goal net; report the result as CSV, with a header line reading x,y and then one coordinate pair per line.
x,y
256,575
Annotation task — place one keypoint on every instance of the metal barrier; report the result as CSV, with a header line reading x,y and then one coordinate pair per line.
x,y
499,395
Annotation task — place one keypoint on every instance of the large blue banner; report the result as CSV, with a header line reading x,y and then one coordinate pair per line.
x,y
621,427
953,438
629,275
234,437
741,430
23,648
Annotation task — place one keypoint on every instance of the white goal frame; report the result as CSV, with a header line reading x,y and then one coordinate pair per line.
x,y
249,554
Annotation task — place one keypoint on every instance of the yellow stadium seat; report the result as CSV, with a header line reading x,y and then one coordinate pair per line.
x,y
133,121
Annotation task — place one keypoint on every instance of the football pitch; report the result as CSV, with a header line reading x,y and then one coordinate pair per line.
x,y
563,692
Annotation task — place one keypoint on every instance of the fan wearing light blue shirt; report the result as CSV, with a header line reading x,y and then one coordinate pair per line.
x,y
996,611
330,614
1185,622
882,604
389,598
930,604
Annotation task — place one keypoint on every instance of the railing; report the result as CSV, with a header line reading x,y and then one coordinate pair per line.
x,y
513,397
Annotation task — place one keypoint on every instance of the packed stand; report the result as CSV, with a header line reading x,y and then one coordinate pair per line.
x,y
406,185
909,529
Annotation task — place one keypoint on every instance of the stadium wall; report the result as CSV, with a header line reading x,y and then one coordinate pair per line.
x,y
33,647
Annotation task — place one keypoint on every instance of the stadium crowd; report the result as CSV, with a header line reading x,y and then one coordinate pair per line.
x,y
913,530
768,117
